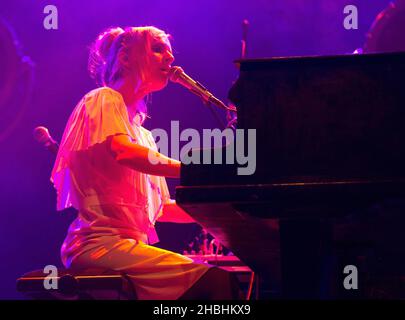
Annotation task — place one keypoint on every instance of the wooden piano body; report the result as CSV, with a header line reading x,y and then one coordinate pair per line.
x,y
330,143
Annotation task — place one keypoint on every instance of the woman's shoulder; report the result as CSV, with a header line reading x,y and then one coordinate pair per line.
x,y
101,99
98,102
103,92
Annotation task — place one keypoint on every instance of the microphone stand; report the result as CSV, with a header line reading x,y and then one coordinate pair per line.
x,y
220,120
231,110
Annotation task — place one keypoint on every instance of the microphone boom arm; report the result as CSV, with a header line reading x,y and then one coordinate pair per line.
x,y
177,75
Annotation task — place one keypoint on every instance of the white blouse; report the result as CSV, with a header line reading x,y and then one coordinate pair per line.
x,y
111,198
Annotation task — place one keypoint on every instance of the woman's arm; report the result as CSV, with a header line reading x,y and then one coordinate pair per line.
x,y
143,159
173,213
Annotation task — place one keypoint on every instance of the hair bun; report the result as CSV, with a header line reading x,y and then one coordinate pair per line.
x,y
105,40
99,51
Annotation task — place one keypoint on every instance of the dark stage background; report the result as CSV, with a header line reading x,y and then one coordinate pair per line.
x,y
206,41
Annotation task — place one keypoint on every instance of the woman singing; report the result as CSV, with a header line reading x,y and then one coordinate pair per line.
x,y
106,169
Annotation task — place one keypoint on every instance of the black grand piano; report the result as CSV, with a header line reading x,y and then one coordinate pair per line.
x,y
330,144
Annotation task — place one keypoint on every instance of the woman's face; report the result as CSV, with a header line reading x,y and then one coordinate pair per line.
x,y
158,64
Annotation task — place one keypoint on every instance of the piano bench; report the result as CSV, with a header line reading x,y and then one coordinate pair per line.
x,y
87,284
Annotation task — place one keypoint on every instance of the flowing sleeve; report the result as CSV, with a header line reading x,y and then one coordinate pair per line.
x,y
100,114
106,116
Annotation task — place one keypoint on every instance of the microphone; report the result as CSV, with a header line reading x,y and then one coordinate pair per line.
x,y
41,134
177,75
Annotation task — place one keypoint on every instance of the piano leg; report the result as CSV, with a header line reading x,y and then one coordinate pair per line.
x,y
305,247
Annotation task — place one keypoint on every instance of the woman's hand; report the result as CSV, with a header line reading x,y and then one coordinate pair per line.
x,y
173,213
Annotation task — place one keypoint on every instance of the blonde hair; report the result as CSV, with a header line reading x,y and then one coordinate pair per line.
x,y
105,67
